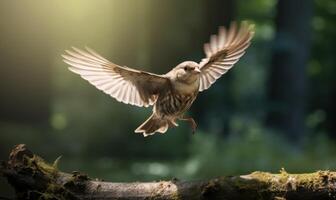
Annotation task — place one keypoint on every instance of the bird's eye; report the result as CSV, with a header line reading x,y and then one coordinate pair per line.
x,y
185,68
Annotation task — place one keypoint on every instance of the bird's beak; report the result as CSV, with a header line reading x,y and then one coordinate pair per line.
x,y
197,70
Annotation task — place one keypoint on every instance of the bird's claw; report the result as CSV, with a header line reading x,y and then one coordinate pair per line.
x,y
193,126
192,123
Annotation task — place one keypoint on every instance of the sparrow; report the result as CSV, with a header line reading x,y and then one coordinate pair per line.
x,y
170,94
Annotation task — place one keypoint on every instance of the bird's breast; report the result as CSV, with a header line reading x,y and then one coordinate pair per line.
x,y
186,88
173,103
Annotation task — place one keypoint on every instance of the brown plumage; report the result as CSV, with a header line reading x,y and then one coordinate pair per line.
x,y
170,94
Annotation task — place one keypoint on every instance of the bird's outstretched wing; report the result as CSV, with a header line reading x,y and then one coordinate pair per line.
x,y
223,51
126,85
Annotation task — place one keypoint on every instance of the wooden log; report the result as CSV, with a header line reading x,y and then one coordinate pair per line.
x,y
33,178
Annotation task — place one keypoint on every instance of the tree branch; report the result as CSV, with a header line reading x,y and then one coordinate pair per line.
x,y
33,178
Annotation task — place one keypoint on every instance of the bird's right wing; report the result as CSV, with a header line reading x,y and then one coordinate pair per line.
x,y
126,85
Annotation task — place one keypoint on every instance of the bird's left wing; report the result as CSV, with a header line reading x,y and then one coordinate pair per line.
x,y
125,84
223,51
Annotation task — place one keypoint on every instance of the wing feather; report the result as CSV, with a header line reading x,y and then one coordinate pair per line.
x,y
223,51
125,84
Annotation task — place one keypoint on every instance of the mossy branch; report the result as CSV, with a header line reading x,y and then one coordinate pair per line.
x,y
33,178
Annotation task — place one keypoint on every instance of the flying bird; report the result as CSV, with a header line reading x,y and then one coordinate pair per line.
x,y
170,94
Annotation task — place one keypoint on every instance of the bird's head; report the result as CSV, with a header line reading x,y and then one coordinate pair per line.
x,y
187,71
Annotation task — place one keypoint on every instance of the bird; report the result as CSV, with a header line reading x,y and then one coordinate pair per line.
x,y
170,94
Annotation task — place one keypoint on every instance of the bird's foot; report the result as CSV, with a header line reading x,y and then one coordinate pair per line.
x,y
192,123
193,126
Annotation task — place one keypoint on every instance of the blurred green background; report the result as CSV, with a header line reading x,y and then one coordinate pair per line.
x,y
276,108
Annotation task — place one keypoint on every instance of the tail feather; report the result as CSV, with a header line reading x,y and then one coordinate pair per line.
x,y
153,124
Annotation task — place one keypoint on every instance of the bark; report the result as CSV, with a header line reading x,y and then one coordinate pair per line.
x,y
33,178
287,81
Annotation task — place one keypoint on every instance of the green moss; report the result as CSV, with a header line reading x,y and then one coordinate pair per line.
x,y
286,182
77,182
38,164
317,179
50,196
175,196
52,189
56,162
210,189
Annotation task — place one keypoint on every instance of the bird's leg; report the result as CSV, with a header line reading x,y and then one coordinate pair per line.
x,y
191,121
